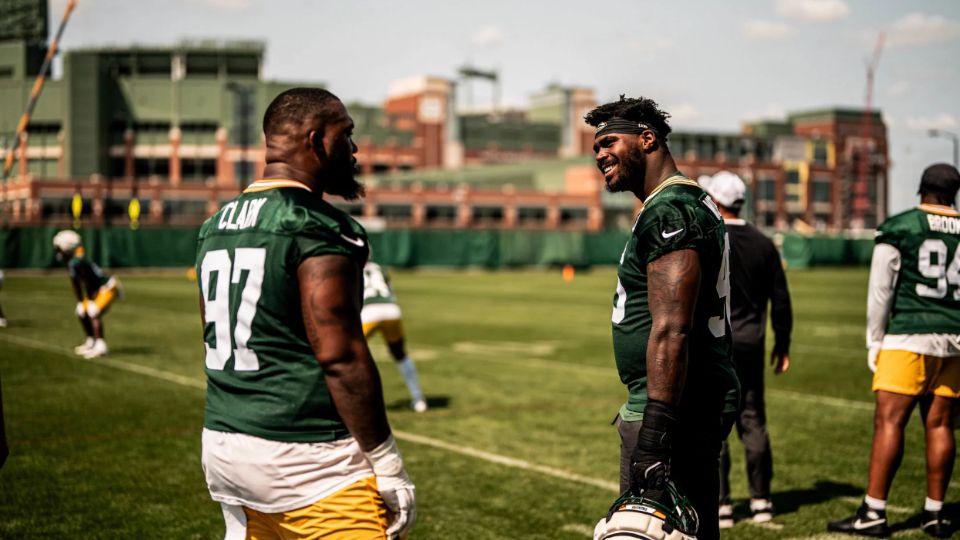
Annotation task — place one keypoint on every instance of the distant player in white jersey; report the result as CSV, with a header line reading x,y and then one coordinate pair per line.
x,y
381,313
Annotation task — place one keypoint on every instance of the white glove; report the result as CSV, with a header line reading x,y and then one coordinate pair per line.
x,y
872,354
81,310
395,487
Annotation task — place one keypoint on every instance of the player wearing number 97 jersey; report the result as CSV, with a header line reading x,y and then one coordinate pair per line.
x,y
913,336
296,442
671,333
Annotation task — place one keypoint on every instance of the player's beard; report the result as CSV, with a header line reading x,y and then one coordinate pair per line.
x,y
631,171
343,181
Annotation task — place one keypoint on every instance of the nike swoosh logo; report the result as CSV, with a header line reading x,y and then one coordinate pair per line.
x,y
858,525
355,241
668,235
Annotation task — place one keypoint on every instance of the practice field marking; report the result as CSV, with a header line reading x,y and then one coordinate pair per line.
x,y
538,363
402,435
578,528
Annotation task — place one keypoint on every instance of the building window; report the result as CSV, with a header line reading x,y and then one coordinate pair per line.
x,y
821,191
573,216
487,215
820,152
531,215
767,189
791,186
441,214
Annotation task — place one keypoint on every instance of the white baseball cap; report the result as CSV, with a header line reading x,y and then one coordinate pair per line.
x,y
726,188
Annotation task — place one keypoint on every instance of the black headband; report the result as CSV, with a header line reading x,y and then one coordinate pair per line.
x,y
622,125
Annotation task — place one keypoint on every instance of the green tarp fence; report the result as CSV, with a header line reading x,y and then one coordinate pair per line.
x,y
31,247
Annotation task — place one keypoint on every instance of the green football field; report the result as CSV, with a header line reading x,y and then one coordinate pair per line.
x,y
519,373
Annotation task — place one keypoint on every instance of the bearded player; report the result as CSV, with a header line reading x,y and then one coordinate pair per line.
x,y
381,313
671,334
296,442
95,291
913,336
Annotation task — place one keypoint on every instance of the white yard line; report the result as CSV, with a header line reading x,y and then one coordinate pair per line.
x,y
404,436
578,528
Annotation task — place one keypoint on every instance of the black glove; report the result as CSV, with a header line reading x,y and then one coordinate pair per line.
x,y
650,463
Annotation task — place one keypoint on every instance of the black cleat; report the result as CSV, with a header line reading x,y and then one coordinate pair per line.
x,y
936,524
866,522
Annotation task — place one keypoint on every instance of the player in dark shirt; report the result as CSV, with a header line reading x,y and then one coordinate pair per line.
x,y
756,279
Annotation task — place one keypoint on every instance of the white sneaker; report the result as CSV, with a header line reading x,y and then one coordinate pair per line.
x,y
99,349
420,405
83,347
726,516
762,510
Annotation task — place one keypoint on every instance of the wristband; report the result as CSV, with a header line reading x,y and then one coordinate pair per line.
x,y
385,458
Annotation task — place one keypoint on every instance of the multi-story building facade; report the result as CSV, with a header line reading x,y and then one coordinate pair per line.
x,y
178,130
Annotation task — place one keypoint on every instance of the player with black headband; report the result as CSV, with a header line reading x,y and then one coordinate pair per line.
x,y
671,333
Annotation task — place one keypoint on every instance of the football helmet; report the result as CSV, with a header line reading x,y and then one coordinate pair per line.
x,y
66,240
668,517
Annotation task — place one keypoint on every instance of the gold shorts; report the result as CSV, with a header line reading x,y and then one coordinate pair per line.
x,y
392,330
356,512
914,374
104,298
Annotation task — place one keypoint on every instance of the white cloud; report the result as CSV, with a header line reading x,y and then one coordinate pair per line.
x,y
938,121
683,113
900,88
772,111
761,30
813,10
229,5
921,29
487,36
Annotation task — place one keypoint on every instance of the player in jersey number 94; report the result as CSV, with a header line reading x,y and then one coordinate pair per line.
x,y
913,339
296,442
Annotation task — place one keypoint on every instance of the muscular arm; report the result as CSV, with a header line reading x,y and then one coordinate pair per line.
x,y
330,300
673,282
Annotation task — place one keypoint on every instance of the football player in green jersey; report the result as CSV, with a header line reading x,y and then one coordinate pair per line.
x,y
381,313
296,442
913,337
671,333
94,289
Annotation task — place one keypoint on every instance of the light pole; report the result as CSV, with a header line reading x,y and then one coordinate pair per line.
x,y
956,143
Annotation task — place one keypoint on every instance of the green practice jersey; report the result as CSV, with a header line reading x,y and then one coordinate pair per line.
x,y
677,215
90,275
927,292
376,286
262,377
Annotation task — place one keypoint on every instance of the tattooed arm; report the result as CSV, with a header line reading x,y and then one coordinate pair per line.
x,y
330,300
673,282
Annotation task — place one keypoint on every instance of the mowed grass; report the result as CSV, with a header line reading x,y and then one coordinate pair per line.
x,y
516,364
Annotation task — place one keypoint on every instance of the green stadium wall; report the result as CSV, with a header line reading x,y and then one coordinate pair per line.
x,y
31,247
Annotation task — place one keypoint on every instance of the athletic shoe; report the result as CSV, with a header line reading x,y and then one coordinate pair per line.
x,y
726,516
936,524
83,347
99,349
762,510
420,405
866,522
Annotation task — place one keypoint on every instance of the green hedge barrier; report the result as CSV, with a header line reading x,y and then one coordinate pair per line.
x,y
31,247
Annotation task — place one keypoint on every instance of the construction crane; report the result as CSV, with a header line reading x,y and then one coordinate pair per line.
x,y
861,199
11,149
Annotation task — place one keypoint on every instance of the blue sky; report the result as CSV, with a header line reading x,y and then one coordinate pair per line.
x,y
711,64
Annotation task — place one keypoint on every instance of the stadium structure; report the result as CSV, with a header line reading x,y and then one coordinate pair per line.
x,y
177,129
